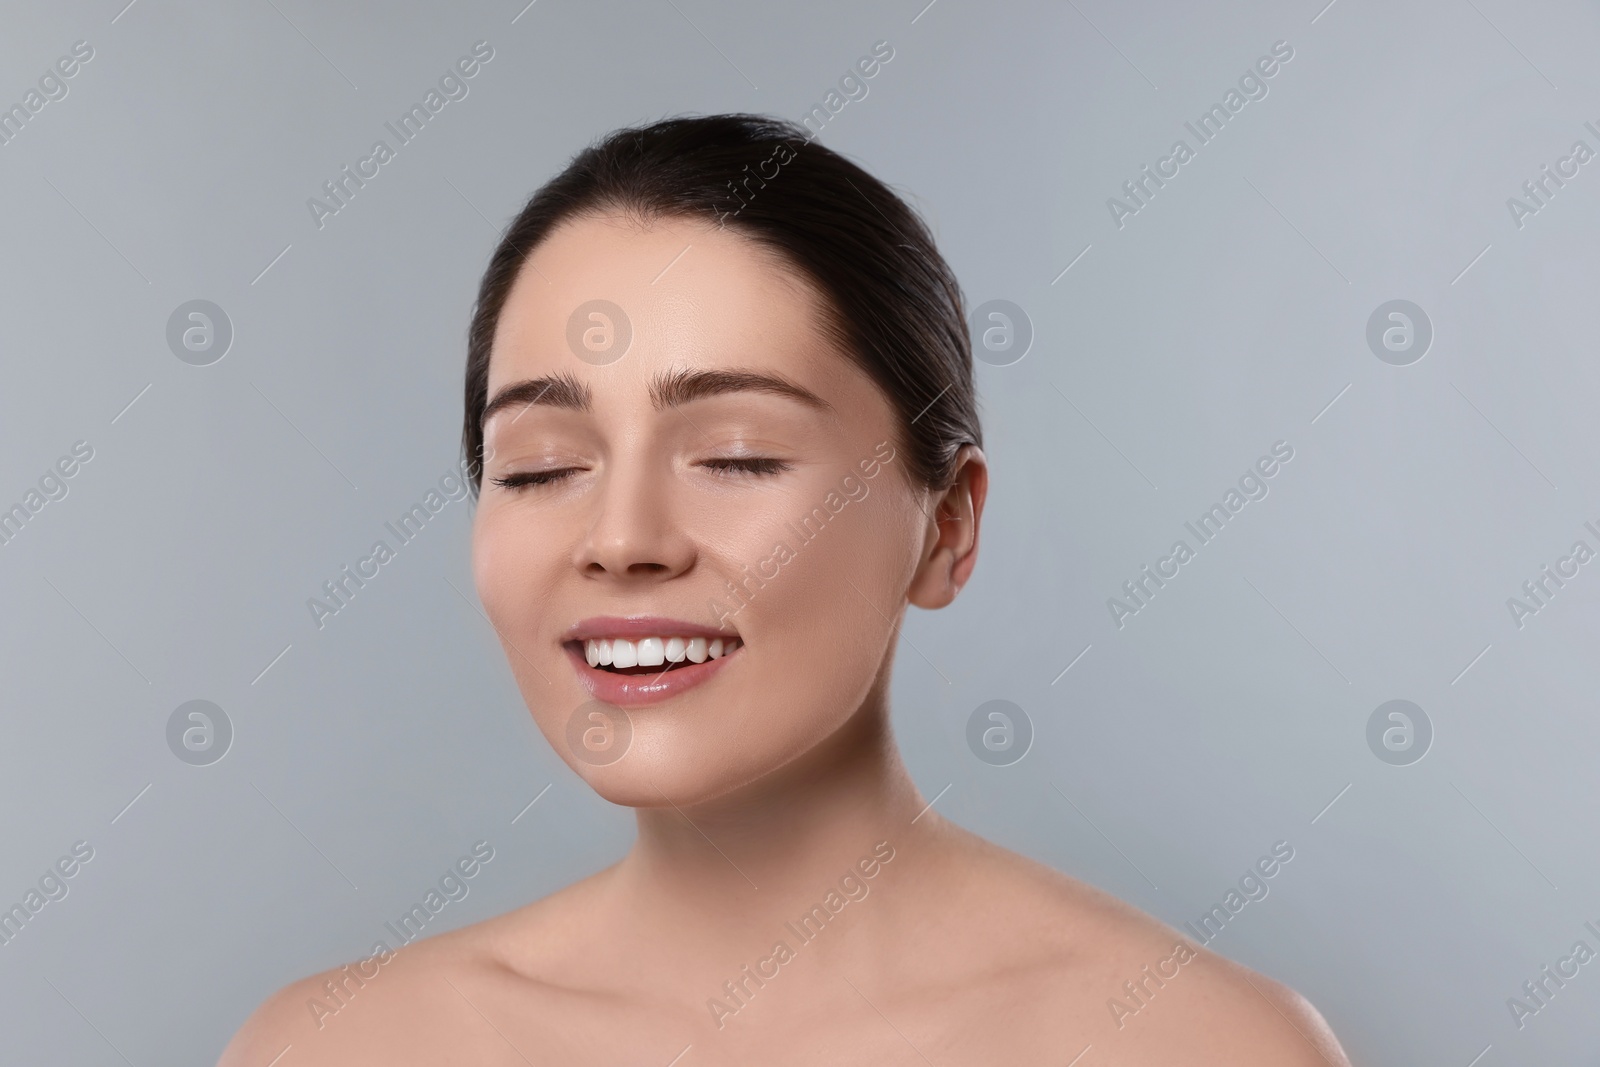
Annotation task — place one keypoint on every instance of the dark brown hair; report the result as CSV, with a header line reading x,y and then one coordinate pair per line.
x,y
893,304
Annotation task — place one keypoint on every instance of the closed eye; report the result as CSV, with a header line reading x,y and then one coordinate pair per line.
x,y
723,466
732,465
523,479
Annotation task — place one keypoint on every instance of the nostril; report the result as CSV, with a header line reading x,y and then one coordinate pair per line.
x,y
634,570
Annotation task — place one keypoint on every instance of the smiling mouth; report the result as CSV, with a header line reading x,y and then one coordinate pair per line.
x,y
653,655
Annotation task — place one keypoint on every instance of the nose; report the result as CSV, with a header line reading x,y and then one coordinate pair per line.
x,y
635,534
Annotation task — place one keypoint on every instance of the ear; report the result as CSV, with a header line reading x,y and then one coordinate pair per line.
x,y
950,540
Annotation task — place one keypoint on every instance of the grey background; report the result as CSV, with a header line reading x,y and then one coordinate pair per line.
x,y
1225,316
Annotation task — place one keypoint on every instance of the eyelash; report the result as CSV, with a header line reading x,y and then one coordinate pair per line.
x,y
724,467
762,465
527,478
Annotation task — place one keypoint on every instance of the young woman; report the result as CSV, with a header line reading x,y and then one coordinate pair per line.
x,y
720,392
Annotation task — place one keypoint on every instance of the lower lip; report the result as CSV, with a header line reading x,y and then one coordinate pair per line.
x,y
638,690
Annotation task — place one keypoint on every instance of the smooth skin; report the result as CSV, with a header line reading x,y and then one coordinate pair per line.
x,y
756,791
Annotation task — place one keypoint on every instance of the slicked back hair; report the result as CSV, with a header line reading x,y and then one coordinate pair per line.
x,y
892,303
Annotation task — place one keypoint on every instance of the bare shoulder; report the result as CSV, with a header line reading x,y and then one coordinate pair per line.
x,y
276,1025
366,1011
1268,1020
423,1002
1136,989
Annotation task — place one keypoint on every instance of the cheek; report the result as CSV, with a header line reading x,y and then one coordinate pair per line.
x,y
489,562
515,573
832,608
818,636
509,567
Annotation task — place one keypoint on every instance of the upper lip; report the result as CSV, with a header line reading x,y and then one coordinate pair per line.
x,y
635,626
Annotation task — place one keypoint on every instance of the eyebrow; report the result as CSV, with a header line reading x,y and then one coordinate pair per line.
x,y
669,389
555,390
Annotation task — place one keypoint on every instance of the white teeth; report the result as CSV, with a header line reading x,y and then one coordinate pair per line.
x,y
655,651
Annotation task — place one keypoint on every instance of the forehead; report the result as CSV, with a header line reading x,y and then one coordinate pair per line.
x,y
686,294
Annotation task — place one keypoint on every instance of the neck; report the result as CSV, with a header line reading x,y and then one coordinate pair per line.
x,y
776,839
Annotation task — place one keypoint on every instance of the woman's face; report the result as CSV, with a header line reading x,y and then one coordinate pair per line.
x,y
693,468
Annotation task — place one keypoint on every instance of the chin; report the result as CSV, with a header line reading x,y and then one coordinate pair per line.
x,y
640,781
688,752
672,759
